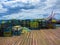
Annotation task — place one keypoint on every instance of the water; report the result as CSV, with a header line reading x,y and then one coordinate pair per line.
x,y
58,25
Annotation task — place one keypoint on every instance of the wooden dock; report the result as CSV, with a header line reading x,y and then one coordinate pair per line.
x,y
35,37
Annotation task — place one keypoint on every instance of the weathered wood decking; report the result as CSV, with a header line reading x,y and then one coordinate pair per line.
x,y
35,37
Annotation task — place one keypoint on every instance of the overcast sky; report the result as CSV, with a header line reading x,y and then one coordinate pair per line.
x,y
28,9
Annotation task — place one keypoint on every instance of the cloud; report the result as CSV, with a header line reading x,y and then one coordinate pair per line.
x,y
23,15
2,10
28,4
20,3
24,9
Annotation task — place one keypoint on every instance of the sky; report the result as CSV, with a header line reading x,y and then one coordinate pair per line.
x,y
28,9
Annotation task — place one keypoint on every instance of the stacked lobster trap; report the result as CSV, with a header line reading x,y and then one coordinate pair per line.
x,y
13,27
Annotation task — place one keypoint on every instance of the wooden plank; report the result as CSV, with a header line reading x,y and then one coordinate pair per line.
x,y
35,37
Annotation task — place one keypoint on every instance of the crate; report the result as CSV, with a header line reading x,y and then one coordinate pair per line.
x,y
16,30
1,32
34,25
7,32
